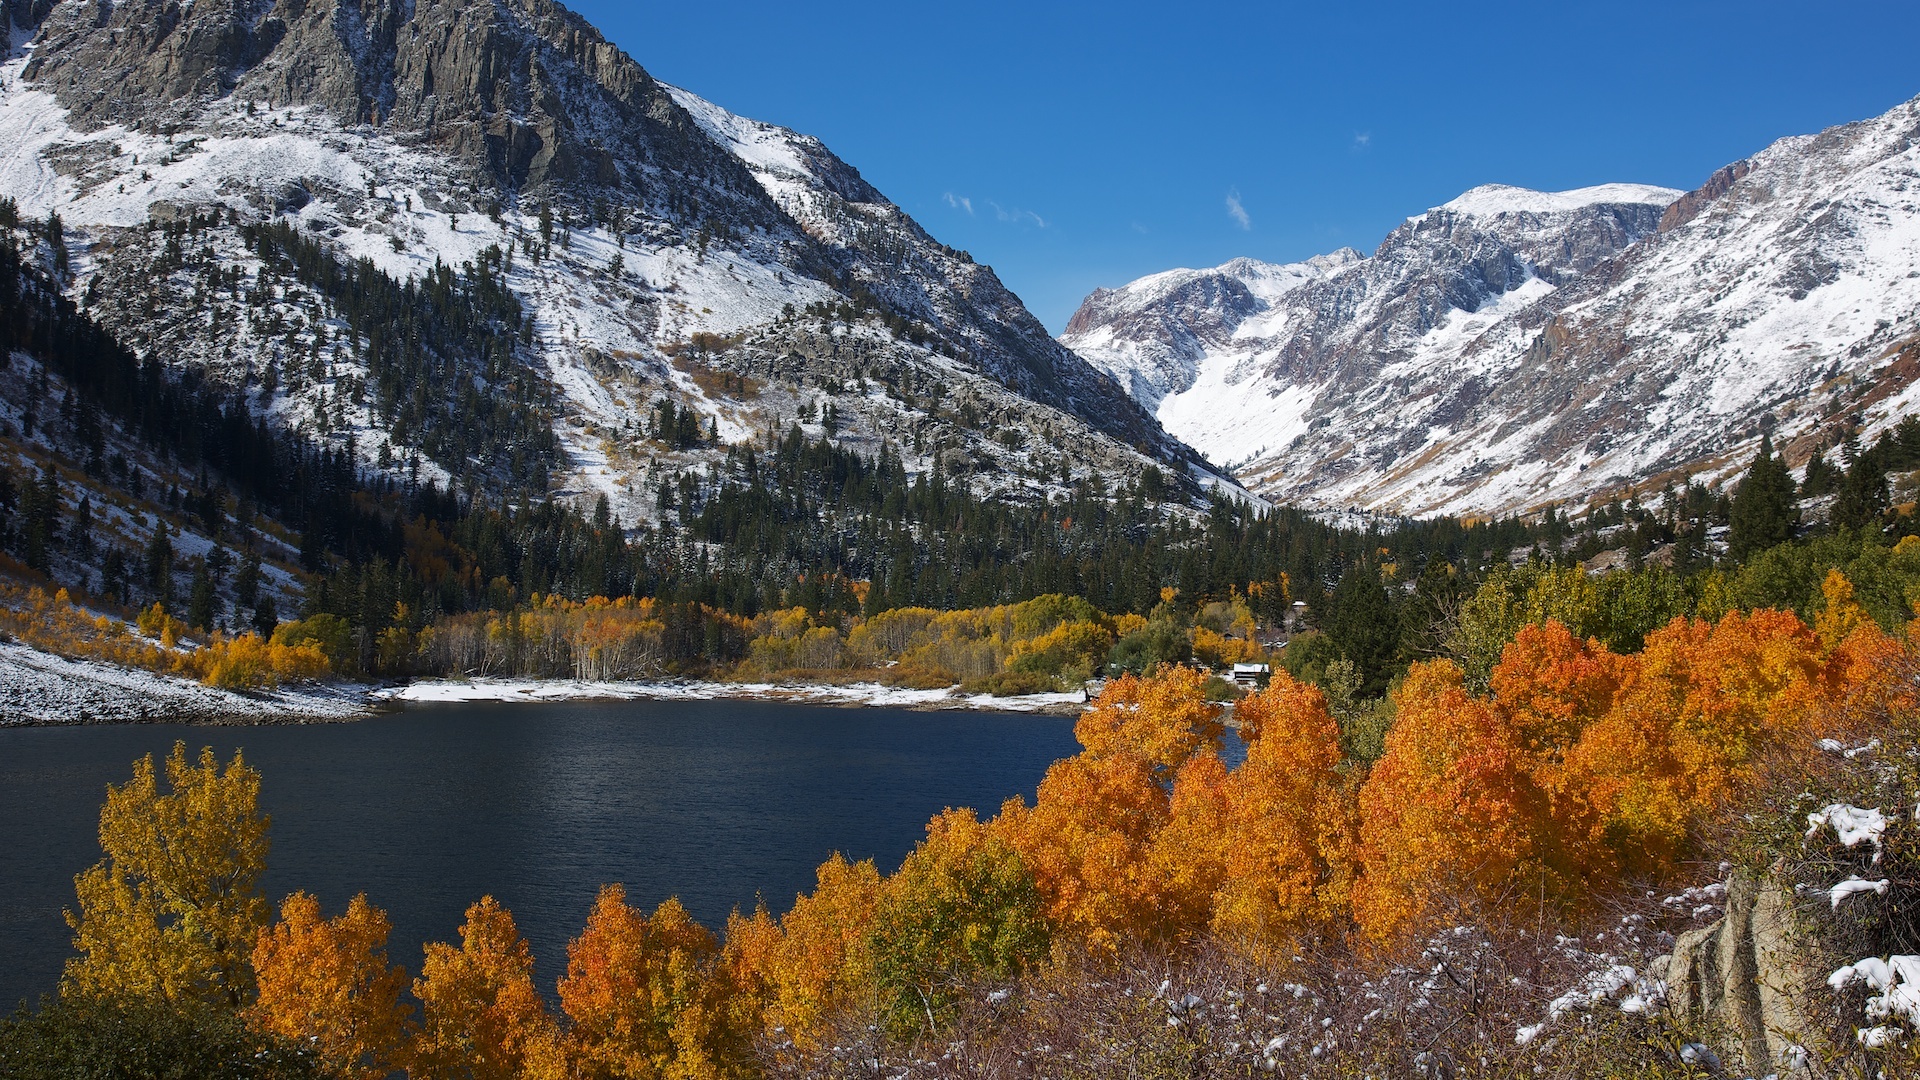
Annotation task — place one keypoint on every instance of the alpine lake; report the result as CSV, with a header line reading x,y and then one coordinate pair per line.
x,y
720,803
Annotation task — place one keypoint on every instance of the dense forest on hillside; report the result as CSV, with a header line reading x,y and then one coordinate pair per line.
x,y
801,536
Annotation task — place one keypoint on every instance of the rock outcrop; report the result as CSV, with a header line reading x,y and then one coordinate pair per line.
x,y
1744,979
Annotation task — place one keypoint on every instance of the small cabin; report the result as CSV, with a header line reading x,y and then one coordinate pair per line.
x,y
1251,675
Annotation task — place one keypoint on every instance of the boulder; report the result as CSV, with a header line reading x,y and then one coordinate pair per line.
x,y
1744,979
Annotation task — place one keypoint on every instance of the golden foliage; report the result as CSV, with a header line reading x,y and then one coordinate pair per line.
x,y
1088,840
174,908
1445,815
642,993
480,1016
325,983
1287,840
1164,719
813,961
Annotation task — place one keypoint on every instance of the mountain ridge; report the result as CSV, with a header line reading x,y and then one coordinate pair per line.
x,y
657,257
1542,348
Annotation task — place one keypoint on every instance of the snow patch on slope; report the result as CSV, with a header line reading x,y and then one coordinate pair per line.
x,y
1488,200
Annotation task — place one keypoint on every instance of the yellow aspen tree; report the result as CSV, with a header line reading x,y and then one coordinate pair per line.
x,y
961,908
480,1016
814,961
325,984
174,908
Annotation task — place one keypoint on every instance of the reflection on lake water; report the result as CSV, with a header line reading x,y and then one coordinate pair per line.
x,y
717,802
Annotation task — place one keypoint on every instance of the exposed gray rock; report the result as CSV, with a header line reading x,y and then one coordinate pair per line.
x,y
1511,350
1744,978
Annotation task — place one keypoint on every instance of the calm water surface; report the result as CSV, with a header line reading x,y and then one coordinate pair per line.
x,y
426,811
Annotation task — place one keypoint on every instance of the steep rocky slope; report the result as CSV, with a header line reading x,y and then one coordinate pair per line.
x,y
634,250
1513,348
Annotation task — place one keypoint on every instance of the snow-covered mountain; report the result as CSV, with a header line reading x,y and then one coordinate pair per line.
x,y
1514,348
657,249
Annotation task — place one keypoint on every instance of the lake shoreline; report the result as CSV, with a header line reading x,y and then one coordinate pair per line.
x,y
841,695
39,689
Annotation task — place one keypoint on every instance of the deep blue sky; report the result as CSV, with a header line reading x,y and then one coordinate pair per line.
x,y
1099,142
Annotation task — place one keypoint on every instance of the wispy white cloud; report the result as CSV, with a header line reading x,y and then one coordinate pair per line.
x,y
1362,140
1237,211
960,202
1017,216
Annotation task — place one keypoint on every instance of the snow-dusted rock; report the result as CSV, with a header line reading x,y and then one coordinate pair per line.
x,y
1513,348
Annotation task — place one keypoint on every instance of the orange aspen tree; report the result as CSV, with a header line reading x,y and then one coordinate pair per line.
x,y
1869,672
1446,817
1550,686
1289,836
1189,854
1164,719
325,984
1088,842
640,992
1685,734
480,1017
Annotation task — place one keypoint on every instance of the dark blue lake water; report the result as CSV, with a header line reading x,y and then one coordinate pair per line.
x,y
538,805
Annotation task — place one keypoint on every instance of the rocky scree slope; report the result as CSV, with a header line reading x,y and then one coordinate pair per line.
x,y
1513,349
632,246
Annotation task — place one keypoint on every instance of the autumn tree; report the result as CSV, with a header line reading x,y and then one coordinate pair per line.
x,y
1088,841
480,1016
1549,687
1688,729
1446,815
643,994
325,983
174,908
1287,841
961,908
1163,719
814,962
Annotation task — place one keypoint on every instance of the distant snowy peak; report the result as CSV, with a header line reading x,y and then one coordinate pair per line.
x,y
1490,200
1510,349
1151,334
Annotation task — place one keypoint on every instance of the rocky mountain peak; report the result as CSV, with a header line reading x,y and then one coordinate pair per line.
x,y
525,92
1511,348
646,247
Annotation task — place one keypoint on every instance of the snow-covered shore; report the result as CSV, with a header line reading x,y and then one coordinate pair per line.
x,y
41,688
853,694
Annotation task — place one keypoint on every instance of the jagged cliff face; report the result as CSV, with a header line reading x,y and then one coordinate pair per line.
x,y
687,253
1512,349
524,92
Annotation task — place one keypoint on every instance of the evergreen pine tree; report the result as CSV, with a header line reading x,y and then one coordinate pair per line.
x,y
200,598
1821,476
1364,628
1863,496
1764,510
159,565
